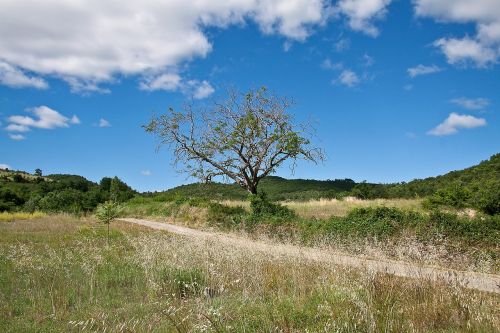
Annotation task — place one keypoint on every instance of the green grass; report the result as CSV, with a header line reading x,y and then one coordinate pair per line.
x,y
58,275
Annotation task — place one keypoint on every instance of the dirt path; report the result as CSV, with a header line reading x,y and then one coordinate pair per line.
x,y
472,280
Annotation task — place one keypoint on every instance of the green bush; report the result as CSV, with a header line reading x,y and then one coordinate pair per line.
x,y
263,210
226,217
378,222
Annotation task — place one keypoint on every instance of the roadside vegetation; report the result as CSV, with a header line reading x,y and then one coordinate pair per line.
x,y
58,274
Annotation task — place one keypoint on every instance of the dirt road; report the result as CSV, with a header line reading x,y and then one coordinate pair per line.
x,y
472,280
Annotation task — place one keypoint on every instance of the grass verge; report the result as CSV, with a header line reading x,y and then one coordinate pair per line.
x,y
58,274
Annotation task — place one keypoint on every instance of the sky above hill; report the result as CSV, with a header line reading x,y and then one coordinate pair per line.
x,y
397,89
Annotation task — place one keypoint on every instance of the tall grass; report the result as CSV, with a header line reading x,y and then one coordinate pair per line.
x,y
325,208
58,274
9,217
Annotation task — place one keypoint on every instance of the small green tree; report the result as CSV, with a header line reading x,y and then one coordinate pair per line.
x,y
107,213
38,172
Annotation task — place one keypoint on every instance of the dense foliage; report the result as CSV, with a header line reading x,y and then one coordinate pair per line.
x,y
476,187
58,193
276,189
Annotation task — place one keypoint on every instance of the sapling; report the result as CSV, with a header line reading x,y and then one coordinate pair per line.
x,y
107,213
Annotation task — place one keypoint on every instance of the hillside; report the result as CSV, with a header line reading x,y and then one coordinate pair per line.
x,y
477,186
276,188
58,192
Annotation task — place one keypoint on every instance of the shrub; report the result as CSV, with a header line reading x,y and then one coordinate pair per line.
x,y
379,221
224,216
264,210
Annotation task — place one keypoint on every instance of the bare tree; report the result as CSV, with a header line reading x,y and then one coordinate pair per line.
x,y
245,137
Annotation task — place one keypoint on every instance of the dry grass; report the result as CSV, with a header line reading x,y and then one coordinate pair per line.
x,y
325,208
63,277
9,217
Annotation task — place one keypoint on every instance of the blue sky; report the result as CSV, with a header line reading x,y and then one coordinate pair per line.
x,y
397,89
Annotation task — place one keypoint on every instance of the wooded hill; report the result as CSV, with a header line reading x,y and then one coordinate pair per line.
x,y
57,193
477,186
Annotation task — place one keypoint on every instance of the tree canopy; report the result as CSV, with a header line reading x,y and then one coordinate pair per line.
x,y
245,137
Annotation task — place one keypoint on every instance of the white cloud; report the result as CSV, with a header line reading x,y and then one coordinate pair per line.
x,y
74,120
361,14
146,173
201,89
15,78
471,103
17,128
342,44
348,78
454,122
17,137
174,82
85,86
368,61
423,70
328,64
44,117
482,49
464,50
287,45
4,166
166,81
88,42
104,123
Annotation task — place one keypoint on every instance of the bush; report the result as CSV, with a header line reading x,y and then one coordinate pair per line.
x,y
264,210
224,216
378,222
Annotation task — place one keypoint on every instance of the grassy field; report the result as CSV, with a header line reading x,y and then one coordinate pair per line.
x,y
57,274
325,208
375,230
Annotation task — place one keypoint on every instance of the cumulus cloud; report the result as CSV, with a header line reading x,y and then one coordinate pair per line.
x,y
15,78
454,122
104,123
174,82
461,51
43,117
482,49
423,70
471,103
146,173
4,166
88,42
17,137
348,78
361,14
167,81
202,89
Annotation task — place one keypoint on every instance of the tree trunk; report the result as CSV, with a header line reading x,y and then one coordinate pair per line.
x,y
252,189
